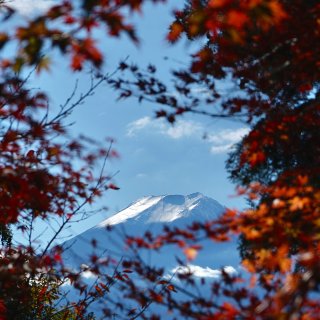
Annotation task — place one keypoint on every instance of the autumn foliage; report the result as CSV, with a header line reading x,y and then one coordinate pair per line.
x,y
270,51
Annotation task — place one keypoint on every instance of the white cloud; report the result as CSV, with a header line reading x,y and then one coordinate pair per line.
x,y
27,7
181,129
220,141
137,125
221,148
200,272
228,135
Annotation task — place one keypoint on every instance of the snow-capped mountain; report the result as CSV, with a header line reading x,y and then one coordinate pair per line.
x,y
152,214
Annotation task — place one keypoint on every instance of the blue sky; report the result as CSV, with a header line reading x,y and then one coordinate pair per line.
x,y
156,158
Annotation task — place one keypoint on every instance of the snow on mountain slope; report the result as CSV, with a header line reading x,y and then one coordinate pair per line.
x,y
167,208
131,212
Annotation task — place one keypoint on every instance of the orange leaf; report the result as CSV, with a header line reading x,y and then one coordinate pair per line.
x,y
277,11
77,62
100,292
218,3
298,203
175,31
191,252
249,265
257,158
156,296
171,287
237,19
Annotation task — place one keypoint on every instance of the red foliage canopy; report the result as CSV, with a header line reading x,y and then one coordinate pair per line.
x,y
271,50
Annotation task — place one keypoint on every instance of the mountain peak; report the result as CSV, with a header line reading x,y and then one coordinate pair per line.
x,y
195,195
166,208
